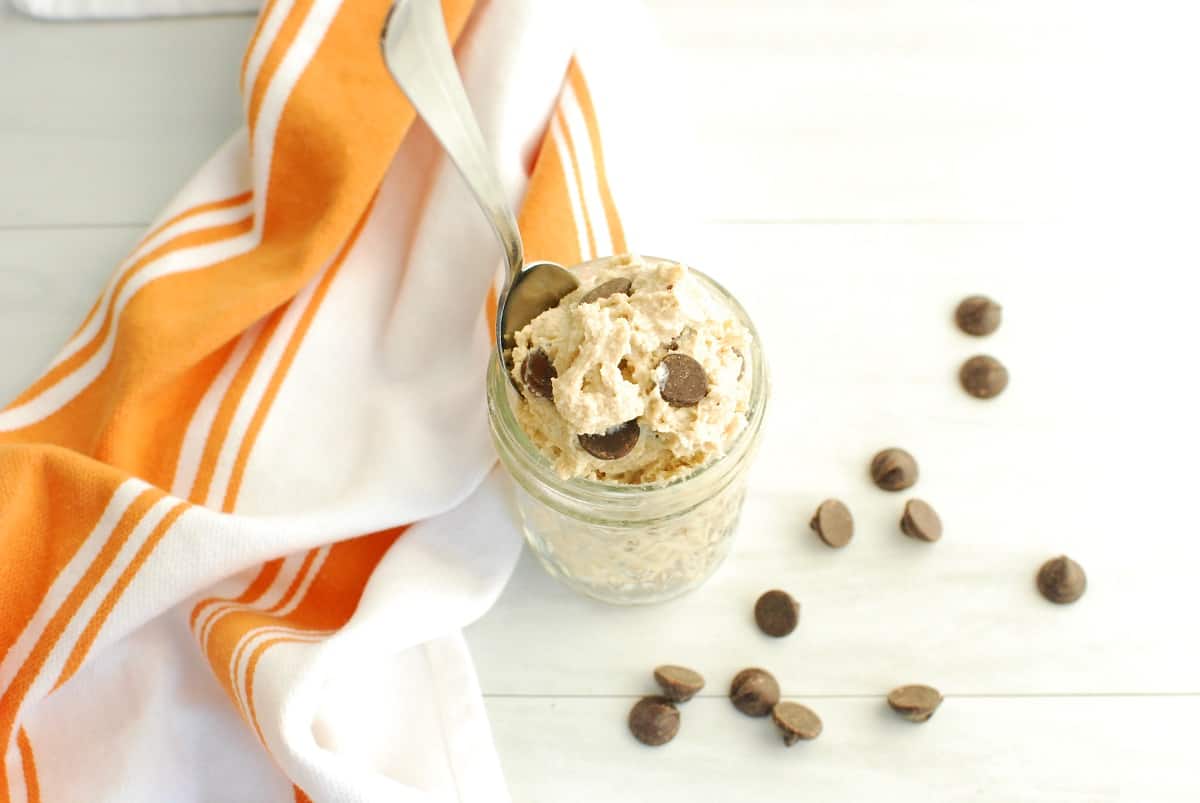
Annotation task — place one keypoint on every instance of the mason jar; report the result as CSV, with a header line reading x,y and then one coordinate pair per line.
x,y
630,544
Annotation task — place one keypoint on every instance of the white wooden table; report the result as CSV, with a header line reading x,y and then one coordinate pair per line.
x,y
869,164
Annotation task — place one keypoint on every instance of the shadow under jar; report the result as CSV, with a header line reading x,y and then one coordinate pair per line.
x,y
630,544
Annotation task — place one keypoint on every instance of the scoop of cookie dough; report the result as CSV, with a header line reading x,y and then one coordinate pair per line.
x,y
647,370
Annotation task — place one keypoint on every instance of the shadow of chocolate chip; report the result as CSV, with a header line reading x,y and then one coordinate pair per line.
x,y
916,703
894,470
1061,580
777,613
920,521
537,373
682,381
606,289
754,692
678,683
833,523
796,722
654,721
617,442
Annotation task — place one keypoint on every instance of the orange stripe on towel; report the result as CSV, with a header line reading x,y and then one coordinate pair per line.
x,y
285,362
279,48
328,605
584,96
546,221
573,156
14,695
42,494
198,209
192,239
109,603
28,768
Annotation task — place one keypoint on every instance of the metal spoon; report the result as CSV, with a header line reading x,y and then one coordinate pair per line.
x,y
417,53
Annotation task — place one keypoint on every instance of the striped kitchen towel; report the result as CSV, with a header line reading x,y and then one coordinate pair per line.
x,y
247,510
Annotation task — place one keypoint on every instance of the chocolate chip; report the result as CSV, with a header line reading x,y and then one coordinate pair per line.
x,y
796,722
915,703
833,523
921,521
754,692
777,613
682,381
894,470
978,315
606,289
678,682
536,373
1061,580
654,720
616,442
983,376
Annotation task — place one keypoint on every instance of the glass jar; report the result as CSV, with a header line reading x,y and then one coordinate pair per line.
x,y
630,544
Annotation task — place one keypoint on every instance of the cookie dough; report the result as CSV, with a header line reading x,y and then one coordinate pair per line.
x,y
638,376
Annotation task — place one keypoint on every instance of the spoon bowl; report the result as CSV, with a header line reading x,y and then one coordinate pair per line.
x,y
536,289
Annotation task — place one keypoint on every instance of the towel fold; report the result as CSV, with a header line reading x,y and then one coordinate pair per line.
x,y
246,512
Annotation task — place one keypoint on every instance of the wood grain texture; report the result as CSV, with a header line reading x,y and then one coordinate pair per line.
x,y
938,110
934,110
101,123
49,279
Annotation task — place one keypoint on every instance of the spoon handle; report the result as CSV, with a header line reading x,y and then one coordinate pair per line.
x,y
417,52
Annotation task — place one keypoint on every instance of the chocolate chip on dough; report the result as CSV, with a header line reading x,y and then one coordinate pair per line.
x,y
682,381
537,373
617,442
606,289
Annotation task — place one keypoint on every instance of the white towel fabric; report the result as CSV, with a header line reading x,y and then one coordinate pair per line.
x,y
290,363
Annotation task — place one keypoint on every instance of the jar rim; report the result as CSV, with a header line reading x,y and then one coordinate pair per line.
x,y
516,447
